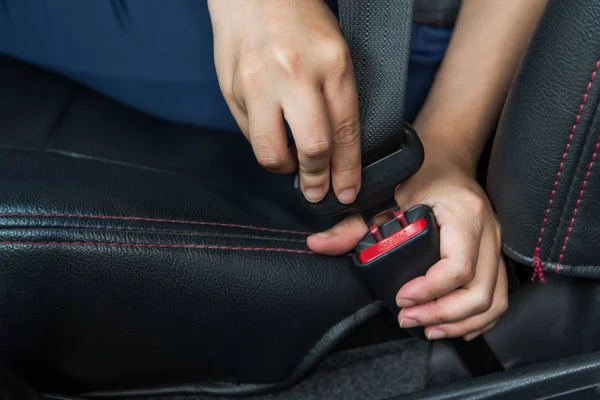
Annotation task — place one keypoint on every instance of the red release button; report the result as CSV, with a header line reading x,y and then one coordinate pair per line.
x,y
393,241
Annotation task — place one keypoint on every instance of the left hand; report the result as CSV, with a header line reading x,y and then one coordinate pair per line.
x,y
286,61
466,292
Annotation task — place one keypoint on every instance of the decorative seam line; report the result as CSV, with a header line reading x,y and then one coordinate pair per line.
x,y
578,203
159,245
538,265
158,220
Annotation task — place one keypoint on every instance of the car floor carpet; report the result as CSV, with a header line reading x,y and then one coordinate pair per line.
x,y
372,372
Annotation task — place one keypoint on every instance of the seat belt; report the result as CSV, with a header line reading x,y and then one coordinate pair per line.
x,y
378,33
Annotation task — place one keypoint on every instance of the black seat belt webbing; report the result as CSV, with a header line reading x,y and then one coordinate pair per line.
x,y
378,33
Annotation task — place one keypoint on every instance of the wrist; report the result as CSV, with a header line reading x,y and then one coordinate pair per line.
x,y
448,151
448,148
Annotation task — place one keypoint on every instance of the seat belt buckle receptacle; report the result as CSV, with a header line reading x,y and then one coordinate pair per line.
x,y
398,251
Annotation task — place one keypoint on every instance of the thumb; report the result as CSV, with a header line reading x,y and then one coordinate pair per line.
x,y
340,239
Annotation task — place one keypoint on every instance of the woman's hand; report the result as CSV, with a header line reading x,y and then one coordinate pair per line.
x,y
466,292
287,59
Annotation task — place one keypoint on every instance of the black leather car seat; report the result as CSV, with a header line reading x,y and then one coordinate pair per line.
x,y
138,254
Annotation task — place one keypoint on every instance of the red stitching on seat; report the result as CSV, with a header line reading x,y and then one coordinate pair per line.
x,y
538,265
160,245
578,203
159,220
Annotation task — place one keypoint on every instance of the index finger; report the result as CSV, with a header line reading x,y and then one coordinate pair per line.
x,y
459,250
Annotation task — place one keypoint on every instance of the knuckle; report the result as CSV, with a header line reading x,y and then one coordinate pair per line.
x,y
441,317
317,149
465,273
227,89
474,202
288,58
503,305
498,232
483,302
347,132
337,56
432,294
236,97
270,159
250,74
230,89
230,97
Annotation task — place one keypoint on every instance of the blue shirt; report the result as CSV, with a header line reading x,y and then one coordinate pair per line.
x,y
157,55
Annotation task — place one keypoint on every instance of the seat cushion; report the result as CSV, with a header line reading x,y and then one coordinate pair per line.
x,y
138,253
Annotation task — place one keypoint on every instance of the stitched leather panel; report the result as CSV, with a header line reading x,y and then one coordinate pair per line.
x,y
580,226
546,140
136,253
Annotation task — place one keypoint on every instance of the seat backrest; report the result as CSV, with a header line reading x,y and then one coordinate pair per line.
x,y
543,179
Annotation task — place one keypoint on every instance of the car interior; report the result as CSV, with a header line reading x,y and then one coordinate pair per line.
x,y
143,259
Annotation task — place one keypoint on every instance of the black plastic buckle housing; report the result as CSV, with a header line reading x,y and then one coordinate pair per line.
x,y
379,181
401,255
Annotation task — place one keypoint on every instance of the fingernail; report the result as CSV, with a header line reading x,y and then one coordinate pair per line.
x,y
315,194
472,335
407,323
347,196
405,303
323,235
435,335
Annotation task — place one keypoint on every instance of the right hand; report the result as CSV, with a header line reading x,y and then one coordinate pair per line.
x,y
287,59
466,292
